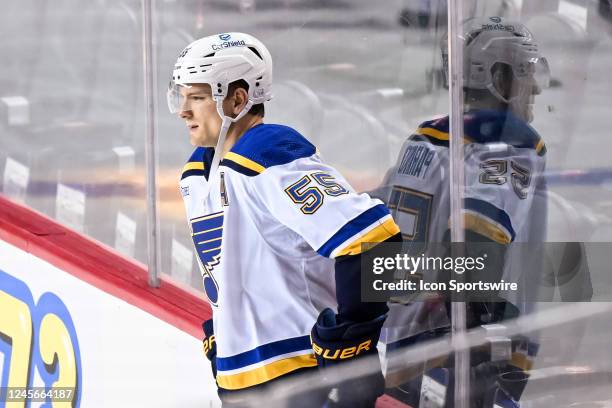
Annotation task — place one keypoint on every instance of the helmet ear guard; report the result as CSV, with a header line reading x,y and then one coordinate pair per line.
x,y
219,90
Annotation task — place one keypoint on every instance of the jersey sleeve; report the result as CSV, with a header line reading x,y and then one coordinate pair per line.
x,y
196,168
315,201
500,189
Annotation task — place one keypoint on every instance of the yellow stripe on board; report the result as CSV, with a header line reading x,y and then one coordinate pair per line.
x,y
244,162
378,234
266,373
486,228
193,166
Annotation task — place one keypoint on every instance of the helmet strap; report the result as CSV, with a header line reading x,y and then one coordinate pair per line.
x,y
499,96
225,125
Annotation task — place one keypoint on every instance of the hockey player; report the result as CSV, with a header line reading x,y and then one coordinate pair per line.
x,y
505,191
270,222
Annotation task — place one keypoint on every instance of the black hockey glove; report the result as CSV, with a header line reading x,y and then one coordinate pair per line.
x,y
210,345
335,342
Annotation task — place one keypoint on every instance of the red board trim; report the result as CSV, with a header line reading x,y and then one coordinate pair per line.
x,y
101,266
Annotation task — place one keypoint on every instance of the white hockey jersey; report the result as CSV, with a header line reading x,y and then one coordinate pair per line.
x,y
265,237
504,163
505,198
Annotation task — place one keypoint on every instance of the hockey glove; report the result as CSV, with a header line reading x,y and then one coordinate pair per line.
x,y
210,345
335,342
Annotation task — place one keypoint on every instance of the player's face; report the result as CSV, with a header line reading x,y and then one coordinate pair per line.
x,y
199,111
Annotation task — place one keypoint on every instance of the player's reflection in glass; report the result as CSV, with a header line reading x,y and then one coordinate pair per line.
x,y
505,202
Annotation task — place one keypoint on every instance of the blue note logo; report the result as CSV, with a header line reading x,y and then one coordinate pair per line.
x,y
207,233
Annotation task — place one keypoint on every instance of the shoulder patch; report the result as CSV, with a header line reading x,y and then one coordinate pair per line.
x,y
265,146
199,162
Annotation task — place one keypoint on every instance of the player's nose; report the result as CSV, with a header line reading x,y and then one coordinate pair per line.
x,y
185,114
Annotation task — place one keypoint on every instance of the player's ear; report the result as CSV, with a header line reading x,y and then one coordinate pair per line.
x,y
502,79
239,99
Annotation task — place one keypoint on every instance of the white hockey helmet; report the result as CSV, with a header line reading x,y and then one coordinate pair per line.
x,y
219,60
492,40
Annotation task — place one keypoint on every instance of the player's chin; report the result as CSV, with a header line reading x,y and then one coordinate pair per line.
x,y
197,139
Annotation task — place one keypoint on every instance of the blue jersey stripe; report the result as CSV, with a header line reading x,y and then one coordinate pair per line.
x,y
353,227
239,168
490,211
263,352
189,173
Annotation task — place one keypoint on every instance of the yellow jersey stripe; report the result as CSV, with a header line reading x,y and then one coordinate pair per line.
x,y
265,373
435,133
438,134
486,228
193,166
521,361
378,234
540,145
244,162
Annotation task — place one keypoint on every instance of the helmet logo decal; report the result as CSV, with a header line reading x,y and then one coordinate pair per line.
x,y
224,37
496,20
498,26
228,44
